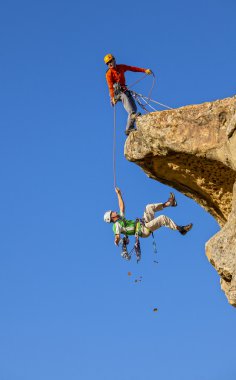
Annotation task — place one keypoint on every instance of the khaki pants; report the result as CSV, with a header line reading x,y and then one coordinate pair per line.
x,y
151,223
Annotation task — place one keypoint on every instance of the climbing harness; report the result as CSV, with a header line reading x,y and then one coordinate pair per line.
x,y
125,241
137,247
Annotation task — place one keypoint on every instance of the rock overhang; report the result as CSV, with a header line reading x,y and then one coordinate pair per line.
x,y
193,149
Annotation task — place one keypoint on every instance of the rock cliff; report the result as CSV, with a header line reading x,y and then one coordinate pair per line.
x,y
193,149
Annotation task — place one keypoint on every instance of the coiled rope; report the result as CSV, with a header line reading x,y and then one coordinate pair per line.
x,y
137,81
146,99
147,102
140,79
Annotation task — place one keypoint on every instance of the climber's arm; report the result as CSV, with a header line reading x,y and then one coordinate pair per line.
x,y
120,201
117,239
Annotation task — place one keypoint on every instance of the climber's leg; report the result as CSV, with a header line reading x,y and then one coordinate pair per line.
x,y
161,221
150,211
130,107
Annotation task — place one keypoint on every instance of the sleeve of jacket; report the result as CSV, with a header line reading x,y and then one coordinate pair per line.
x,y
133,68
110,83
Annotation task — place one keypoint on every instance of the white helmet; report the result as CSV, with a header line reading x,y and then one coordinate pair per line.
x,y
107,216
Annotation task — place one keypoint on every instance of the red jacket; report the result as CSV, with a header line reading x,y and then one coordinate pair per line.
x,y
116,75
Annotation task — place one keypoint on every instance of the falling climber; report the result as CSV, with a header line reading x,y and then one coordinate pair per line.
x,y
141,227
118,90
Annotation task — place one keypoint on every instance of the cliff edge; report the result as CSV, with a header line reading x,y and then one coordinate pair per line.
x,y
193,149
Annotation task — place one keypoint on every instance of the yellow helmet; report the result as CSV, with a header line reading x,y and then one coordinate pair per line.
x,y
108,58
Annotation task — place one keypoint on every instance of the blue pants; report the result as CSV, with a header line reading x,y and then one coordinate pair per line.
x,y
130,107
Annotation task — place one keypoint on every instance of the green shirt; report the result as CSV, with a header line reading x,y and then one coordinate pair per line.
x,y
125,226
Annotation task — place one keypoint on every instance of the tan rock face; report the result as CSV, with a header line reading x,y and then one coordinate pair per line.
x,y
193,149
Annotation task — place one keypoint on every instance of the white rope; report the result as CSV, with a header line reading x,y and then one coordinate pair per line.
x,y
149,105
114,148
154,101
137,81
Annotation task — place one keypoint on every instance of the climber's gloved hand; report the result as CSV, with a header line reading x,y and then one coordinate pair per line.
x,y
113,101
148,72
117,190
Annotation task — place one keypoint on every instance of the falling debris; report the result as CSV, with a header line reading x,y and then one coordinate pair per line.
x,y
129,274
155,309
156,262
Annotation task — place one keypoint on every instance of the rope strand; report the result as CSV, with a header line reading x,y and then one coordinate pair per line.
x,y
151,100
160,104
153,84
147,100
114,148
137,81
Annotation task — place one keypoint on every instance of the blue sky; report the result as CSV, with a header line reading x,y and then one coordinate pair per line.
x,y
69,310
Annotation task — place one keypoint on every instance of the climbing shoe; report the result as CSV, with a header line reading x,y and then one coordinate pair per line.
x,y
171,201
184,229
133,116
127,132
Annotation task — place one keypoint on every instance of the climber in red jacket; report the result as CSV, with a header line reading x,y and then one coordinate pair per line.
x,y
118,91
